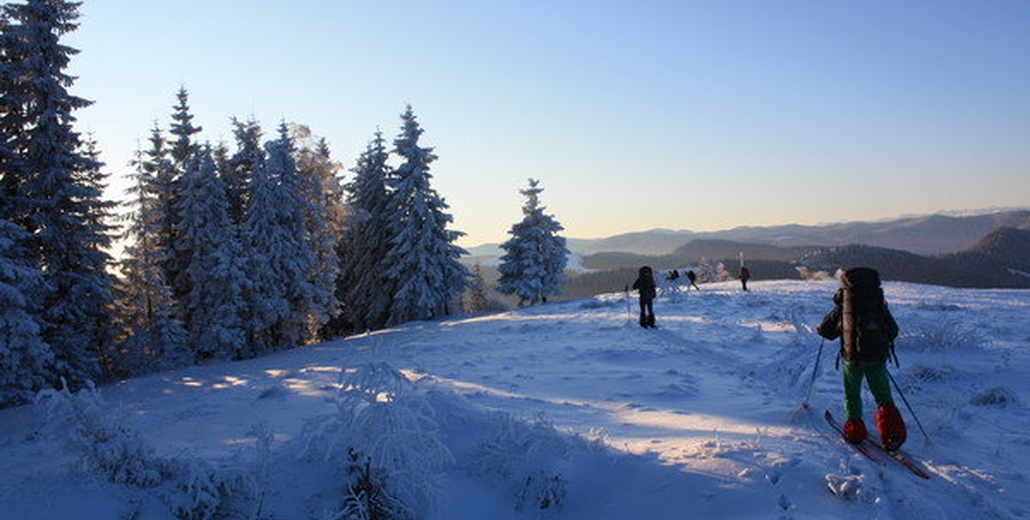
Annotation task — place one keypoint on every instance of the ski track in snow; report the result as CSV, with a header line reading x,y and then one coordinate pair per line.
x,y
699,416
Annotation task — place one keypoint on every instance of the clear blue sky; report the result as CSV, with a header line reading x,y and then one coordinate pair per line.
x,y
633,114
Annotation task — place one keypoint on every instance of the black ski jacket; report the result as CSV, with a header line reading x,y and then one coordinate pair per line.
x,y
645,284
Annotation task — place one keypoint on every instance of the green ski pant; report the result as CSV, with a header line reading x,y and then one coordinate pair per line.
x,y
879,384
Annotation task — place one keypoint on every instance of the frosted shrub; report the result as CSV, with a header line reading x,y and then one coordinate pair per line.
x,y
367,496
521,457
198,491
191,489
100,443
997,397
541,491
943,335
262,465
392,440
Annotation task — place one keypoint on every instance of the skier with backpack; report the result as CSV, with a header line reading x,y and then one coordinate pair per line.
x,y
866,328
645,287
692,276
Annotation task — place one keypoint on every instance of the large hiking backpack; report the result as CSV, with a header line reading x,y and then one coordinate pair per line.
x,y
645,283
868,332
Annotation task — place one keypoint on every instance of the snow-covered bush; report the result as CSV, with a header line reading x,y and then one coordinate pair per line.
x,y
938,335
385,425
97,439
367,495
198,491
523,458
541,491
930,374
191,489
997,397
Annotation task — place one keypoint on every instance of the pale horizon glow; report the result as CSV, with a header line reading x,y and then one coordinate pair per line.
x,y
634,116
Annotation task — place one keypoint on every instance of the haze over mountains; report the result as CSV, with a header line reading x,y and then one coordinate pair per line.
x,y
972,250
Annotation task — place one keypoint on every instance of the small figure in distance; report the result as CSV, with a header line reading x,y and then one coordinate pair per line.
x,y
645,287
692,276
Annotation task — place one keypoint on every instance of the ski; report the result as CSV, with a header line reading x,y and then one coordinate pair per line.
x,y
904,460
861,447
867,447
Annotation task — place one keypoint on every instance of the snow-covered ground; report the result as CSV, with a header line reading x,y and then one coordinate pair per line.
x,y
566,410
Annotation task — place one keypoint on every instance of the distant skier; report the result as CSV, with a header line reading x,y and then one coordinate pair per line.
x,y
862,321
745,275
645,286
672,282
692,277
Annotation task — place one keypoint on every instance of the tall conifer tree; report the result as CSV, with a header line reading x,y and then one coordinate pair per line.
x,y
237,174
153,338
281,255
323,195
533,265
216,270
183,147
363,286
54,186
25,359
422,261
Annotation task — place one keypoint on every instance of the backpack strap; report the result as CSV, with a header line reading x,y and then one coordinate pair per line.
x,y
892,354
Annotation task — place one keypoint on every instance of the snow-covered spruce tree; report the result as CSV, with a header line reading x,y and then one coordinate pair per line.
x,y
184,146
323,220
56,187
182,149
216,272
533,265
248,157
363,286
282,299
475,299
24,356
160,181
94,178
422,261
153,338
266,298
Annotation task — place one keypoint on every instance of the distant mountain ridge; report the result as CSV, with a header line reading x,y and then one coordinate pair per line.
x,y
1001,259
935,234
985,251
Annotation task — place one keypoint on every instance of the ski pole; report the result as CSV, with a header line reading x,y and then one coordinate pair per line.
x,y
910,410
815,370
629,309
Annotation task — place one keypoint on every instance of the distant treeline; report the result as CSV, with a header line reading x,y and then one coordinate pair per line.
x,y
999,260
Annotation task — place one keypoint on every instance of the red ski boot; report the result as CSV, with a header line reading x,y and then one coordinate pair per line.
x,y
854,431
891,427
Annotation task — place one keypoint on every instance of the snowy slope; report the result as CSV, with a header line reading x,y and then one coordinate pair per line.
x,y
565,410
